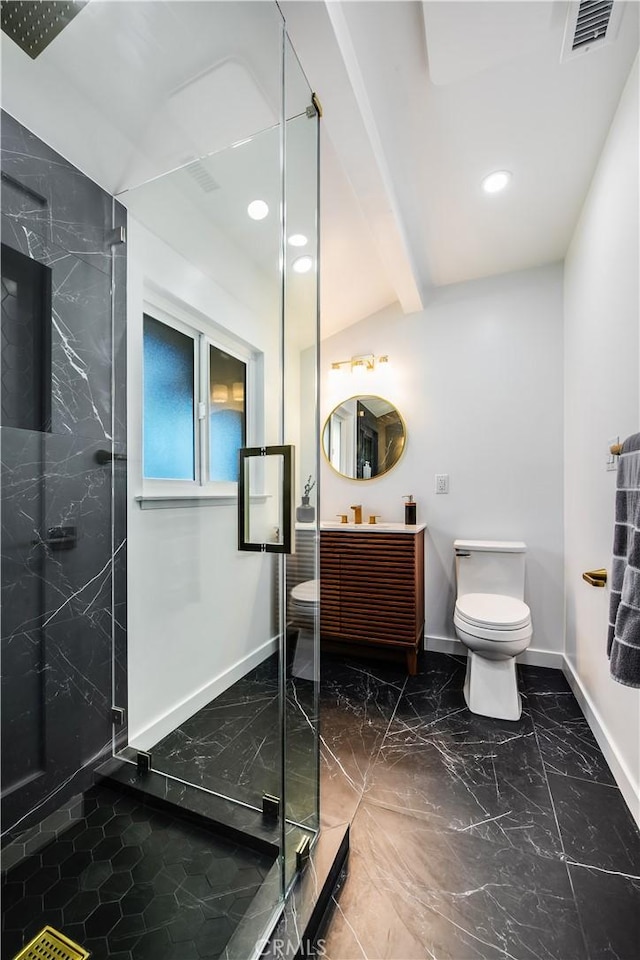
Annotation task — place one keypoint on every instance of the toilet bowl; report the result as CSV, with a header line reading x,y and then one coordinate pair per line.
x,y
492,620
304,598
303,618
303,603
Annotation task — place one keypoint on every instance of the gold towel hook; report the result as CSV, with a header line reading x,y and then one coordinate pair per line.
x,y
616,449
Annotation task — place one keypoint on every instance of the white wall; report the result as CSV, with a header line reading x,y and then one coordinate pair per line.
x,y
200,612
477,377
602,399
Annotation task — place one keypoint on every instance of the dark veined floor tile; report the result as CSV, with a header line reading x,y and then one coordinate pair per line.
x,y
596,826
435,893
609,908
567,744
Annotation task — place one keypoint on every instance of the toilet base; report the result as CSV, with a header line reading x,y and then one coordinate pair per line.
x,y
491,687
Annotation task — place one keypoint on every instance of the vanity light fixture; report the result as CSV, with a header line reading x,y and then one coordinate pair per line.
x,y
497,181
367,362
302,264
297,240
258,209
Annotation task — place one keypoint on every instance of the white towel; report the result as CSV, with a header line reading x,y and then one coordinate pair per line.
x,y
623,641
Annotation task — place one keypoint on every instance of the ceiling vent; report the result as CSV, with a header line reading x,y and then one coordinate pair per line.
x,y
202,177
590,24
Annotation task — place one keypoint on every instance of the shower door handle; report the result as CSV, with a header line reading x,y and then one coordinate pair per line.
x,y
265,499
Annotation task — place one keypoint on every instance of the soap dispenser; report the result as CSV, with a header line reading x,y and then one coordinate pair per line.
x,y
366,471
410,510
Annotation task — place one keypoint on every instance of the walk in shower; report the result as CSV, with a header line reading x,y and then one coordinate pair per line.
x,y
159,428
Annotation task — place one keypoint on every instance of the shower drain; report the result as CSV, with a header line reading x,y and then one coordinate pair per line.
x,y
51,945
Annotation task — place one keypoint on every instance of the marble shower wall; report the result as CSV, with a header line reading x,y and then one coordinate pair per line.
x,y
59,627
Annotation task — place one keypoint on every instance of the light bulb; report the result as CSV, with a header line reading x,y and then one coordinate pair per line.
x,y
496,182
302,264
258,209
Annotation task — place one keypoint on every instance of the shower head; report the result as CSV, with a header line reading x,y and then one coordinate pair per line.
x,y
33,24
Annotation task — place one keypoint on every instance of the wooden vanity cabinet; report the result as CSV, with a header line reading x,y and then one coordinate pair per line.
x,y
372,589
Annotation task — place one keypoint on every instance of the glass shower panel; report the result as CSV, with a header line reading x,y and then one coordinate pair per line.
x,y
206,740
301,423
206,638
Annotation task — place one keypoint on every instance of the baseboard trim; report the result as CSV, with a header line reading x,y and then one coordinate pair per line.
x,y
532,656
629,790
160,727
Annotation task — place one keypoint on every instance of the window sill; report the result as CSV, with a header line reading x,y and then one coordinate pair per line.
x,y
173,501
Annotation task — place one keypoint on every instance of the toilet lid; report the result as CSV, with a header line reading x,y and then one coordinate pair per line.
x,y
306,592
493,610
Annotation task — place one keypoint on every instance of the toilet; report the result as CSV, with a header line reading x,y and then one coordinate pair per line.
x,y
303,617
303,603
493,622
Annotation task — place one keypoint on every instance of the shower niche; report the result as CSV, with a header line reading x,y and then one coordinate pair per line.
x,y
161,708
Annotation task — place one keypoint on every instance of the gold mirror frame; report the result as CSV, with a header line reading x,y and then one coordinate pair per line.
x,y
396,454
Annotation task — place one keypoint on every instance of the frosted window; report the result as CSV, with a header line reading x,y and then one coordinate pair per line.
x,y
227,390
169,447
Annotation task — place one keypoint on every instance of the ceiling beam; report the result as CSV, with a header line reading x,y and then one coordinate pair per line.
x,y
323,41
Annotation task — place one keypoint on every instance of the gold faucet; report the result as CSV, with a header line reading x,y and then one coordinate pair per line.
x,y
357,509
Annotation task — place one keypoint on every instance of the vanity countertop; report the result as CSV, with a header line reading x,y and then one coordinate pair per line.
x,y
379,527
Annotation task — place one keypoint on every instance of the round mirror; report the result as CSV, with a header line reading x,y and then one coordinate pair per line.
x,y
363,437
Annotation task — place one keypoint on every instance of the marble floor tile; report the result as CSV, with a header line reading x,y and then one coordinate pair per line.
x,y
467,774
609,909
232,745
348,673
190,751
357,704
416,892
436,692
596,826
567,744
455,849
438,673
542,679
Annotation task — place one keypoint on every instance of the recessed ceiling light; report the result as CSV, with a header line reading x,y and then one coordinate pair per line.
x,y
258,209
496,181
297,240
302,264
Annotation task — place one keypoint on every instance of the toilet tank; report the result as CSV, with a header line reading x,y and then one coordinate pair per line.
x,y
490,566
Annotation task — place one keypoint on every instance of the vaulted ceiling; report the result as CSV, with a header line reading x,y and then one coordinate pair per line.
x,y
422,100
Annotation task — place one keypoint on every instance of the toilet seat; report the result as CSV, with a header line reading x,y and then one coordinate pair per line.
x,y
306,592
493,612
497,637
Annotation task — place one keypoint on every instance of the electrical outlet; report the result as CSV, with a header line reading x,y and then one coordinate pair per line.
x,y
442,483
